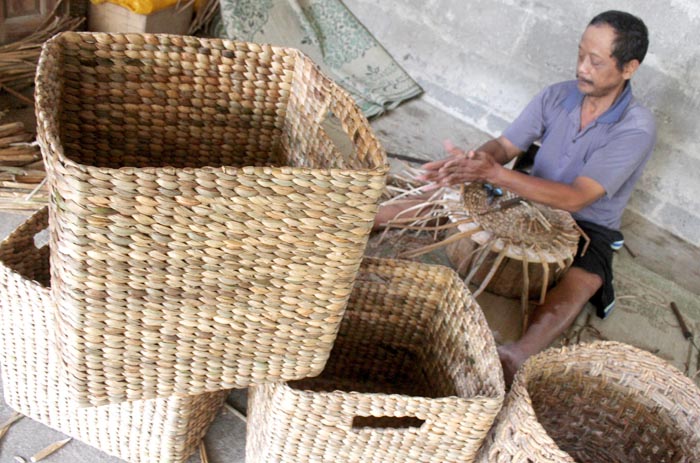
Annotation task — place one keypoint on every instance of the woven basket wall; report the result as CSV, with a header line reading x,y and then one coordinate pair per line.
x,y
414,376
597,403
205,230
160,430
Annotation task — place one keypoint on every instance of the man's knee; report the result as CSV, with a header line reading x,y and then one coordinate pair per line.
x,y
579,277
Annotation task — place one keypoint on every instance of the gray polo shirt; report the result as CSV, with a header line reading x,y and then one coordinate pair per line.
x,y
612,150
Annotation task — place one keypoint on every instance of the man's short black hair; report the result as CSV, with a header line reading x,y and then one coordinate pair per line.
x,y
632,38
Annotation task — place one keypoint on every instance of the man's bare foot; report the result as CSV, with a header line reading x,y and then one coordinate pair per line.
x,y
511,360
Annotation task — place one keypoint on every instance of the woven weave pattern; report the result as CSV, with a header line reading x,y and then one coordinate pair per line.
x,y
161,430
597,402
413,376
205,230
517,251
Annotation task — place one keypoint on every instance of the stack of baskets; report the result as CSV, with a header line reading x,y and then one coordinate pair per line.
x,y
205,234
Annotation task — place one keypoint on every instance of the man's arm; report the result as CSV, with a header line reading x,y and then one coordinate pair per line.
x,y
483,166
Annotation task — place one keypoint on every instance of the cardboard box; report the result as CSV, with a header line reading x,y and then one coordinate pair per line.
x,y
108,17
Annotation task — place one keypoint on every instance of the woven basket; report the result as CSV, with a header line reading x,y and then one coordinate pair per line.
x,y
601,402
160,430
205,230
516,252
413,376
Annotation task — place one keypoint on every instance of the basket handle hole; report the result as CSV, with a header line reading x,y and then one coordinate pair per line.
x,y
333,128
41,239
394,422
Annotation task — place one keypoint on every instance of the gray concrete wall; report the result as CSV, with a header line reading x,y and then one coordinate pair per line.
x,y
482,60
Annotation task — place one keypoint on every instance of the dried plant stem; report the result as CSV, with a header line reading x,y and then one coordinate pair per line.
x,y
7,424
41,454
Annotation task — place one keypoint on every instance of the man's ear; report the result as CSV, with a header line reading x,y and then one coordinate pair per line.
x,y
630,68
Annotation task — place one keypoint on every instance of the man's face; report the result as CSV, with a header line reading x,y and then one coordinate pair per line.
x,y
597,70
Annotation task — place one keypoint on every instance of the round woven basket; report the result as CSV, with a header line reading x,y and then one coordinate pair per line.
x,y
206,231
600,402
511,247
505,240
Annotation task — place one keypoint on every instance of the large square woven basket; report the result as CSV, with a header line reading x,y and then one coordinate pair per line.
x,y
600,402
154,431
414,377
205,230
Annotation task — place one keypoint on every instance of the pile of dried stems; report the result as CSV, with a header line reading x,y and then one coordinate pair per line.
x,y
22,176
18,59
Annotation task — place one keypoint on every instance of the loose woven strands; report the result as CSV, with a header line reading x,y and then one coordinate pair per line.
x,y
413,377
155,431
597,402
525,247
205,231
507,245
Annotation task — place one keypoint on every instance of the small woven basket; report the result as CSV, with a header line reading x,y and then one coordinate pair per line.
x,y
414,376
206,232
160,430
518,251
598,402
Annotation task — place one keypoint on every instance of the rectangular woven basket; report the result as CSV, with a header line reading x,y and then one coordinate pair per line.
x,y
206,232
154,431
414,377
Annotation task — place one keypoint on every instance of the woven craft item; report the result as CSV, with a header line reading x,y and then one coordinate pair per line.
x,y
413,377
597,402
205,230
510,247
516,251
160,430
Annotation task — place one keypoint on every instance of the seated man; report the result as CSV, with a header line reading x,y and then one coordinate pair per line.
x,y
595,140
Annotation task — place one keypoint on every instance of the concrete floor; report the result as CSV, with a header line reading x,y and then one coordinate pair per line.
x,y
417,129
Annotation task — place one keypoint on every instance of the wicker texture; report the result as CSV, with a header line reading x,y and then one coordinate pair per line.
x,y
597,403
539,237
413,344
205,230
160,430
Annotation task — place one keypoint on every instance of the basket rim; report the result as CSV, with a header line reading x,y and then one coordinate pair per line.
x,y
46,111
498,391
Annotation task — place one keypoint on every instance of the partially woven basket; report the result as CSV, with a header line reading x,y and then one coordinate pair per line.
x,y
598,402
506,241
154,431
512,248
206,232
414,377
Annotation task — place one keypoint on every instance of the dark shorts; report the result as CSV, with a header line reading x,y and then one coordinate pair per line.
x,y
598,260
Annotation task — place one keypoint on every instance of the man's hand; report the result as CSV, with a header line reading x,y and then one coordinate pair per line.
x,y
461,167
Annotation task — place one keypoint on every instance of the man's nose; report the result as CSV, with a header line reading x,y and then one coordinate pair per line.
x,y
584,66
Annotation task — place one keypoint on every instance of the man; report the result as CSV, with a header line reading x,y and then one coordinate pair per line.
x,y
595,140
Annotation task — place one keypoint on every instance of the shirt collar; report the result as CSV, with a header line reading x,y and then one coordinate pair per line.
x,y
613,113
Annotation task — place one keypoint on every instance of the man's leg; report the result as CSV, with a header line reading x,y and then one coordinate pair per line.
x,y
561,307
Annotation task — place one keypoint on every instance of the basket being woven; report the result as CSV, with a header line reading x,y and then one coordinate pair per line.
x,y
598,402
502,241
413,377
512,248
205,230
155,431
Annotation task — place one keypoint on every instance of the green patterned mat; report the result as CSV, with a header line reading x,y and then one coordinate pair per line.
x,y
331,36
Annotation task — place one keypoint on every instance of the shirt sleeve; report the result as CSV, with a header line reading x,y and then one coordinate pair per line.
x,y
614,163
528,127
